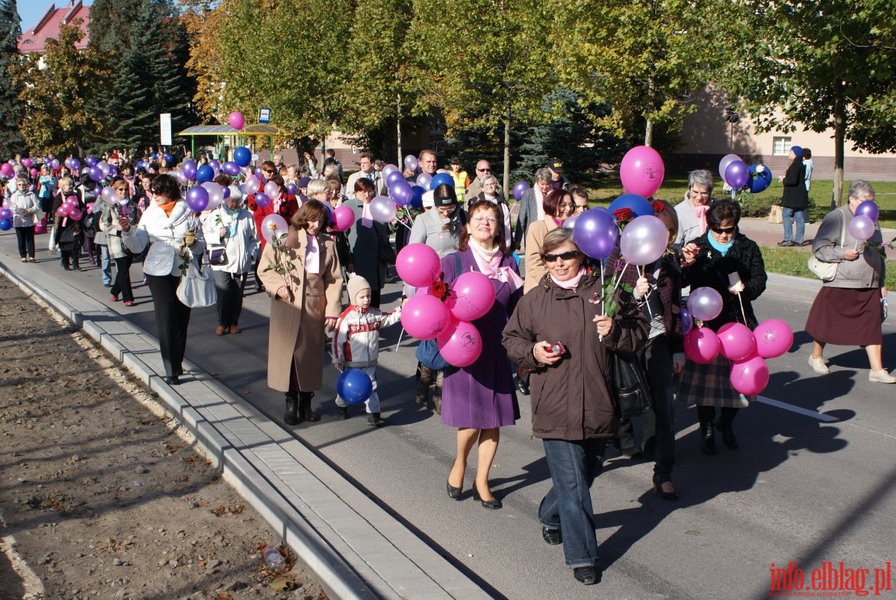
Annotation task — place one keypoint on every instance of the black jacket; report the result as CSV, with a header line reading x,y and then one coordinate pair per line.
x,y
795,194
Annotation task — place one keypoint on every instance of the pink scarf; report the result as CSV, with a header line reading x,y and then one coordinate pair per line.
x,y
570,284
489,262
700,211
366,215
312,256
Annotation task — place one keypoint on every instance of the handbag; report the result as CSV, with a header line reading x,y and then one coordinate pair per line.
x,y
197,288
428,355
824,270
630,387
217,256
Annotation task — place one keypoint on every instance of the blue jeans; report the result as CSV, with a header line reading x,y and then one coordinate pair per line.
x,y
567,505
105,264
788,216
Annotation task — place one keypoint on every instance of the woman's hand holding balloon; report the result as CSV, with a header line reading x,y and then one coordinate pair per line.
x,y
850,254
604,324
736,287
642,286
690,252
124,223
544,354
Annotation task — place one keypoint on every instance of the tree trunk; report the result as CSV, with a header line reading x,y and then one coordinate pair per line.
x,y
839,143
648,133
506,173
398,127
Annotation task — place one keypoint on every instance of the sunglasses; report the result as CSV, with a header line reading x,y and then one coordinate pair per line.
x,y
565,256
484,170
724,229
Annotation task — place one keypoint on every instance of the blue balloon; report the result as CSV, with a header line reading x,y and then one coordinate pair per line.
x,y
417,194
5,224
242,156
637,204
439,179
354,386
416,203
758,182
204,173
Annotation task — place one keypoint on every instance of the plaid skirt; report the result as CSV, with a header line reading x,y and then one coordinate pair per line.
x,y
710,385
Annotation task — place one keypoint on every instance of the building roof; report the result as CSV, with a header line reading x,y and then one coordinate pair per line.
x,y
248,130
34,39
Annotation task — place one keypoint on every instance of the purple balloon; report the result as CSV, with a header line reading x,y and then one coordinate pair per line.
x,y
393,178
197,198
215,165
644,240
687,322
727,160
231,168
91,161
96,174
868,209
595,233
189,169
262,200
401,192
861,227
292,189
519,188
705,303
74,164
736,174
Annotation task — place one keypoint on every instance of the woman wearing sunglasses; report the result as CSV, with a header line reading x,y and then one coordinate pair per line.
x,y
559,333
729,262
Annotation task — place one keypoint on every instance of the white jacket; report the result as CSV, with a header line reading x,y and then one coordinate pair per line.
x,y
25,208
356,342
166,234
241,247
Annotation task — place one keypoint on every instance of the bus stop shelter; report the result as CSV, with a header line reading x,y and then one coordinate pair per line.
x,y
232,137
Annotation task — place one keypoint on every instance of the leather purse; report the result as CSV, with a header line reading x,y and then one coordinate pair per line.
x,y
631,389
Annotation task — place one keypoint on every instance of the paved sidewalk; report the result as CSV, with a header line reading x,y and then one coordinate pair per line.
x,y
769,234
354,546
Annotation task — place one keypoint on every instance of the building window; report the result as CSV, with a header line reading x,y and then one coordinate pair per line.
x,y
781,145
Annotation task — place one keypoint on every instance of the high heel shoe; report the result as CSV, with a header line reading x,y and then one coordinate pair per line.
x,y
658,482
493,504
453,492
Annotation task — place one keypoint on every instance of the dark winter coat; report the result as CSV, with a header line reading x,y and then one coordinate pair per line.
x,y
795,194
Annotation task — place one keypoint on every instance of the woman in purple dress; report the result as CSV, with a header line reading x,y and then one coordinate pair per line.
x,y
480,399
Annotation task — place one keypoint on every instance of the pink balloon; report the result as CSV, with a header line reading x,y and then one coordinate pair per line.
x,y
737,341
460,345
236,120
472,296
750,376
701,345
345,218
861,227
273,225
644,240
642,171
418,265
272,189
75,214
773,338
27,162
424,317
705,303
252,184
40,226
727,160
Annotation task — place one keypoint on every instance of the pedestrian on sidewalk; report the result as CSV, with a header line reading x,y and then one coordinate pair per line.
x,y
795,202
356,342
306,289
123,206
848,310
26,213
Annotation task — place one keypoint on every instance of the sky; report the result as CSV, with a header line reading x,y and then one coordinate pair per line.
x,y
32,10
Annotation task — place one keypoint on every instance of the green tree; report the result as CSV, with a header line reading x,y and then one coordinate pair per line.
x,y
10,104
148,46
827,65
57,89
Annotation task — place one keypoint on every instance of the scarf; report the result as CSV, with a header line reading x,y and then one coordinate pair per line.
x,y
570,284
366,215
489,261
168,207
722,248
700,211
312,256
234,216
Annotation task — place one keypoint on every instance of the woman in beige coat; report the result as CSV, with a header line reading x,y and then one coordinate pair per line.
x,y
558,206
302,275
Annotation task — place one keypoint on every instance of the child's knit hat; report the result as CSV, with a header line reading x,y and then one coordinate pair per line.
x,y
356,285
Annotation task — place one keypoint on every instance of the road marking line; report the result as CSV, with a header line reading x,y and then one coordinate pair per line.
x,y
796,409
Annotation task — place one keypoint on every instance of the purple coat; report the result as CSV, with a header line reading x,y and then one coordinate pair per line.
x,y
482,396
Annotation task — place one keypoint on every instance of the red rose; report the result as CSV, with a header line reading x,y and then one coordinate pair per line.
x,y
658,206
439,289
623,215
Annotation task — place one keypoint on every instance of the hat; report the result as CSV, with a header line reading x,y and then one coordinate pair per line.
x,y
797,150
556,166
303,182
443,201
356,285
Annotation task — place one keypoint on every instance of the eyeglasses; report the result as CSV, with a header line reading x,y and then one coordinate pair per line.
x,y
267,170
564,256
489,220
484,170
724,229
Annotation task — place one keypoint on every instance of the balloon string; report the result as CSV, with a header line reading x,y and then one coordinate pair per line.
x,y
742,311
619,277
641,271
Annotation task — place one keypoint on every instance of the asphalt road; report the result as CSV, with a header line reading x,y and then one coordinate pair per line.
x,y
812,482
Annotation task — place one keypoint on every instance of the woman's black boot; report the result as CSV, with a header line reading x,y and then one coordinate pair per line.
x,y
708,438
726,426
305,407
292,409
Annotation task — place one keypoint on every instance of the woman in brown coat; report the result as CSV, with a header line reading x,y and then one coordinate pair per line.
x,y
559,332
302,275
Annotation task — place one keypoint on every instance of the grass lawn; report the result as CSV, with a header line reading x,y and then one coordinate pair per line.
x,y
793,262
819,196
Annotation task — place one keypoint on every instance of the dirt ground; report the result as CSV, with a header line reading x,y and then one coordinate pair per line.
x,y
102,494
